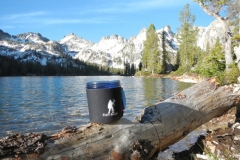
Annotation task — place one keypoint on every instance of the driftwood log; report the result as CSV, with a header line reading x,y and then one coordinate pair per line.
x,y
156,128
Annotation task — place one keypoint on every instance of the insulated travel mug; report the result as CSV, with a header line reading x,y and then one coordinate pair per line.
x,y
106,101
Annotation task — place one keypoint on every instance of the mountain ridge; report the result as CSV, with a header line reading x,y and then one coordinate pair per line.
x,y
113,51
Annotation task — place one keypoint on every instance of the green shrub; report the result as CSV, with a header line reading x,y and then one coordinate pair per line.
x,y
230,76
208,70
236,37
181,70
213,64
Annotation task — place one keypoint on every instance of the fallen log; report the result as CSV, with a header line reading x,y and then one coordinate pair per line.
x,y
157,127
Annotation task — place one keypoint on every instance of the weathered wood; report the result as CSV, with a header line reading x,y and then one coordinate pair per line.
x,y
158,127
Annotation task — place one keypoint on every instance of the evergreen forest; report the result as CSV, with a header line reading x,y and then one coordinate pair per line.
x,y
13,67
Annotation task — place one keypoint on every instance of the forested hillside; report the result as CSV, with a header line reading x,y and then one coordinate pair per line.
x,y
12,67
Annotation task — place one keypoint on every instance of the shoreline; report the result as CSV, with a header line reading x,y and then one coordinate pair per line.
x,y
188,79
183,78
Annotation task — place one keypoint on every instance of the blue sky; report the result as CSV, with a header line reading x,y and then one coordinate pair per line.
x,y
93,19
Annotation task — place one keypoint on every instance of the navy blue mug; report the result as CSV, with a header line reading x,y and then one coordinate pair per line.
x,y
106,101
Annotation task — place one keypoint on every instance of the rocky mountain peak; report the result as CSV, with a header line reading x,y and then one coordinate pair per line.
x,y
72,37
73,43
167,30
210,34
140,37
143,30
32,37
114,37
4,35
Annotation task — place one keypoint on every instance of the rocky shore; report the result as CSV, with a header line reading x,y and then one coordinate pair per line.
x,y
188,78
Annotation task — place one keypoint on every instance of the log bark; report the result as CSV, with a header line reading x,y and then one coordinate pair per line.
x,y
156,128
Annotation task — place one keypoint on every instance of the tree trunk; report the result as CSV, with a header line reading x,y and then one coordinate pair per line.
x,y
237,49
237,53
156,128
227,34
228,43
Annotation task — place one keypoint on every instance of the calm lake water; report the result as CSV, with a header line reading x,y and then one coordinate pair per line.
x,y
47,104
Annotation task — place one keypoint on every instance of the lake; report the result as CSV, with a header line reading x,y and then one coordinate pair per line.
x,y
47,104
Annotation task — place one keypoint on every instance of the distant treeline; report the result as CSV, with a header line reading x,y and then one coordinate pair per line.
x,y
13,67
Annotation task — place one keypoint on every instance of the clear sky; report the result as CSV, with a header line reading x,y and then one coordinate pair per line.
x,y
93,19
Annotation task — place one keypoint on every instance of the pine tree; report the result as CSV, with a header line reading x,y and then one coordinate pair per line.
x,y
213,63
132,70
127,68
177,64
187,36
140,66
150,57
164,54
216,57
207,48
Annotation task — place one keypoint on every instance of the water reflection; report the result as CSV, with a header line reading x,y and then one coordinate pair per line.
x,y
36,104
155,89
149,89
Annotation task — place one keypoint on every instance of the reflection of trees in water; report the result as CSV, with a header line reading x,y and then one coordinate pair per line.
x,y
155,89
149,89
183,85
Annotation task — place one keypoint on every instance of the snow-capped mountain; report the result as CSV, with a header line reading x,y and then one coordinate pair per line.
x,y
4,35
115,50
30,47
111,51
32,37
210,34
72,44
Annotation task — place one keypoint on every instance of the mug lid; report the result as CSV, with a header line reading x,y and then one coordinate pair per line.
x,y
103,84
